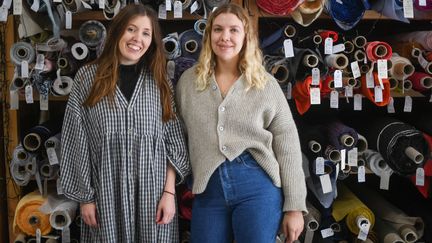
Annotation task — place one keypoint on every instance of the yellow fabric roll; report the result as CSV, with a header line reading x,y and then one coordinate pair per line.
x,y
28,218
347,204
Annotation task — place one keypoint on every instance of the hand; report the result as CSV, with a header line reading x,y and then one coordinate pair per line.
x,y
292,225
88,214
166,209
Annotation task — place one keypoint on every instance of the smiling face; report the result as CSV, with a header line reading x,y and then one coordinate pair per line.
x,y
227,37
135,40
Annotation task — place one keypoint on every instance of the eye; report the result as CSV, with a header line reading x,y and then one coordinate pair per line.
x,y
146,33
217,29
234,30
130,29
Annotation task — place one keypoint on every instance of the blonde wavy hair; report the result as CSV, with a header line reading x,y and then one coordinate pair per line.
x,y
250,61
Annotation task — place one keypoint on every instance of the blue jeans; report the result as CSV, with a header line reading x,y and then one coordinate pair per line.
x,y
240,202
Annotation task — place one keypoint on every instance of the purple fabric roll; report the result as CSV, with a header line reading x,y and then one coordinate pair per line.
x,y
335,130
181,65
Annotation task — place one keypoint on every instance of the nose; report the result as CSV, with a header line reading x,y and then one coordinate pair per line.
x,y
225,35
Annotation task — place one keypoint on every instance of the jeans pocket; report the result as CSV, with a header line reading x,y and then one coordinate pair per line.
x,y
249,162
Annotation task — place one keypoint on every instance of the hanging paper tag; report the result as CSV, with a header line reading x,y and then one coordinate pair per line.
x,y
162,12
65,235
40,62
408,9
17,7
353,156
171,69
59,187
422,61
24,69
325,233
420,180
385,179
14,100
328,46
43,102
363,232
334,99
178,10
52,156
194,7
382,71
289,91
3,13
315,96
349,91
101,4
35,5
361,175
38,235
319,166
343,158
325,183
390,106
338,79
288,48
370,83
315,76
29,94
338,48
357,102
408,104
168,5
355,70
68,24
422,3
378,93
86,5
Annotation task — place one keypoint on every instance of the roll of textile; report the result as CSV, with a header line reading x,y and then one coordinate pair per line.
x,y
92,33
111,9
312,140
181,65
312,218
390,8
40,37
328,34
278,67
355,212
401,67
425,189
185,204
190,44
308,12
404,85
187,3
347,13
200,26
422,37
376,163
370,92
409,228
362,144
171,46
28,217
331,153
79,51
273,44
359,55
22,51
426,7
337,61
211,4
301,94
67,64
387,233
406,49
327,85
20,238
421,82
47,171
62,86
349,47
378,50
359,41
62,211
35,138
393,83
278,7
300,66
340,135
74,6
23,166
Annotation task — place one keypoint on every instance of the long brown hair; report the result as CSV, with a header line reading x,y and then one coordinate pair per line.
x,y
108,62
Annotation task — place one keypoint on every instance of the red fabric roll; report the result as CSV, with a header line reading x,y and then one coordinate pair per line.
x,y
301,94
425,190
325,88
371,48
428,56
278,7
416,81
328,33
370,92
185,204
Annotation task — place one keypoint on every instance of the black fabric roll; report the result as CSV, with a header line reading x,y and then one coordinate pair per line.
x,y
43,132
309,133
298,71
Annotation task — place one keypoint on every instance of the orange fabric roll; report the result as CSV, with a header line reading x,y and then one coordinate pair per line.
x,y
28,218
370,92
301,94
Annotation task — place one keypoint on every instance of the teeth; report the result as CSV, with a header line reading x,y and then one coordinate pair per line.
x,y
134,47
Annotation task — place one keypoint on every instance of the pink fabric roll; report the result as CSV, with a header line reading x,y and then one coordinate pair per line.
x,y
371,49
416,80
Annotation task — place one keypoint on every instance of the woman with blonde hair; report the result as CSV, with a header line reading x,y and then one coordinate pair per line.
x,y
122,143
243,142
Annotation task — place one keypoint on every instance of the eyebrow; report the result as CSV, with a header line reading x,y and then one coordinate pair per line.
x,y
231,26
147,29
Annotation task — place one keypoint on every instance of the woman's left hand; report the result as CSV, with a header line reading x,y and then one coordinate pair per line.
x,y
166,209
292,225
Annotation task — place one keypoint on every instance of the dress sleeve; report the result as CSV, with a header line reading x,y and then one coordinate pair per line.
x,y
175,144
75,164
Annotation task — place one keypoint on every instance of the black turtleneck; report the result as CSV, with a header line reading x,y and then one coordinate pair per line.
x,y
128,78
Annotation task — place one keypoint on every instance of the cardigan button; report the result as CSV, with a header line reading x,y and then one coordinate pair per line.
x,y
224,148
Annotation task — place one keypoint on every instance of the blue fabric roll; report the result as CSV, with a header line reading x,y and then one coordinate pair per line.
x,y
181,65
190,44
347,13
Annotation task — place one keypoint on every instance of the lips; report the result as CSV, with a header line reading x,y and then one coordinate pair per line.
x,y
134,47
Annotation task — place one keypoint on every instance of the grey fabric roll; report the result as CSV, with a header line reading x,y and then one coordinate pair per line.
x,y
171,46
92,33
22,51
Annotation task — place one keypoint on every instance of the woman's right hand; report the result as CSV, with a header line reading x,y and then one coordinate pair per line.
x,y
88,214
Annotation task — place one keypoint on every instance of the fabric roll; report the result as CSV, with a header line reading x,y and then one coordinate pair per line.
x,y
181,65
92,33
62,211
390,8
200,26
301,94
422,37
362,144
387,233
313,218
328,34
171,46
54,143
22,166
40,37
47,171
187,3
298,71
22,51
406,49
20,238
376,163
355,212
62,86
425,190
278,67
273,44
211,4
28,217
278,7
409,228
35,138
347,13
419,7
67,64
369,93
190,44
421,82
337,61
327,85
111,9
312,140
79,51
401,68
74,6
378,50
340,135
307,12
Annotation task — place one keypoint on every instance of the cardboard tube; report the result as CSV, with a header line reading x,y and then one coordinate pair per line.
x,y
360,41
362,144
349,47
310,60
347,140
414,155
314,146
290,31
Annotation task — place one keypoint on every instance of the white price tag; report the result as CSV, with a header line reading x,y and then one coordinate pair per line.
x,y
390,106
43,102
52,156
178,10
422,3
363,232
101,4
378,93
328,46
349,91
423,62
288,48
29,94
315,96
325,233
319,166
289,91
168,5
408,9
353,156
162,12
355,70
420,177
24,69
357,102
14,99
361,175
3,13
382,71
38,235
315,76
385,179
17,7
68,24
194,7
338,48
343,158
370,82
408,104
334,99
40,62
325,183
338,79
35,5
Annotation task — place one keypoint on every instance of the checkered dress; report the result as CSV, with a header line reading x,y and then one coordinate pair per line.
x,y
116,156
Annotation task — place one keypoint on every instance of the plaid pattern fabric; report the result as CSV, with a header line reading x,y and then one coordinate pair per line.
x,y
116,155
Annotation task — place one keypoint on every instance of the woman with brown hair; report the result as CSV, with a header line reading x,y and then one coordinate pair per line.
x,y
122,144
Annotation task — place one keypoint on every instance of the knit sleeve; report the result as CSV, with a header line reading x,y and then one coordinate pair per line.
x,y
286,147
75,165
